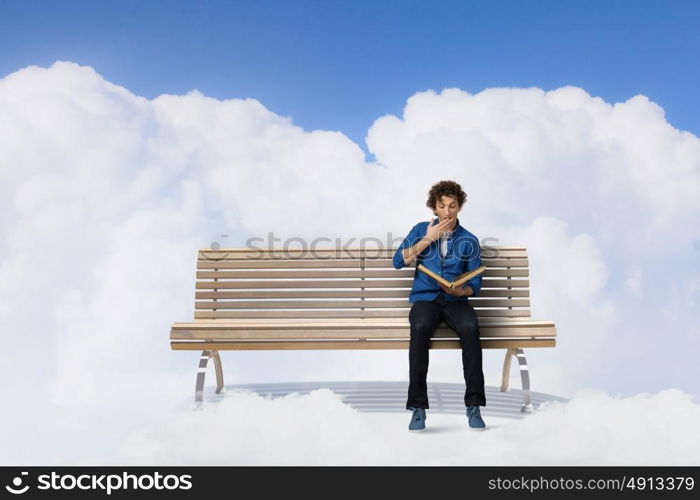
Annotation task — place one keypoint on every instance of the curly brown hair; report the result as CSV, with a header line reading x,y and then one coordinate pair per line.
x,y
445,188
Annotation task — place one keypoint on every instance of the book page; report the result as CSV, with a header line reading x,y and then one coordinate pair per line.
x,y
433,275
467,276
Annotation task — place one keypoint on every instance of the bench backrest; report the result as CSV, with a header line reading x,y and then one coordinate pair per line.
x,y
336,283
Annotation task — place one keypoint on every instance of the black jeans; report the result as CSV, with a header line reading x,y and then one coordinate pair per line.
x,y
425,316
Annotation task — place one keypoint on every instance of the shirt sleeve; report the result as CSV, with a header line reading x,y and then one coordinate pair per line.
x,y
473,262
410,240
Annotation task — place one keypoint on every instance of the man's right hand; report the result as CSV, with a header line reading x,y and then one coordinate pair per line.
x,y
436,229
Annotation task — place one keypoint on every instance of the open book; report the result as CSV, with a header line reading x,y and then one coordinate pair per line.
x,y
459,280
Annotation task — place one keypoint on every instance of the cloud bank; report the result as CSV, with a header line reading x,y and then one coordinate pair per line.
x,y
318,429
106,196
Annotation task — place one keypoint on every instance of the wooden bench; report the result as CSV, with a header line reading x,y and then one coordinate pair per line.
x,y
344,299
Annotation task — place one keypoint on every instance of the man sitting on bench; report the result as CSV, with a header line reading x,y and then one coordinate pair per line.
x,y
445,247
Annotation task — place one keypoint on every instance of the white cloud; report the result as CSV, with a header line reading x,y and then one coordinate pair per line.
x,y
105,197
318,429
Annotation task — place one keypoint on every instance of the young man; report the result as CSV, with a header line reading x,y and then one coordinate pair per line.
x,y
445,247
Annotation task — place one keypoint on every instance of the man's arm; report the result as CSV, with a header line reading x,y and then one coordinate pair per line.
x,y
414,243
474,261
410,253
412,239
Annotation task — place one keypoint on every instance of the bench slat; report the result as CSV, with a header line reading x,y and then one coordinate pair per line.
x,y
382,321
283,264
330,274
367,313
349,333
490,262
358,344
224,254
344,304
379,283
349,263
342,323
326,249
338,294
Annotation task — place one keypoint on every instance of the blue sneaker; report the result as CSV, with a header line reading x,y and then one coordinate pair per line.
x,y
476,423
417,419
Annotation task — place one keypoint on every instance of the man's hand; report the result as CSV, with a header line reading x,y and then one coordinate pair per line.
x,y
434,230
460,291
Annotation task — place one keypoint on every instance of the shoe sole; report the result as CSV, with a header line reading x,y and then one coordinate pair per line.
x,y
477,429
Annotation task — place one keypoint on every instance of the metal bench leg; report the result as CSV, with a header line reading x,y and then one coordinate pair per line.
x,y
202,373
525,381
219,372
524,377
506,369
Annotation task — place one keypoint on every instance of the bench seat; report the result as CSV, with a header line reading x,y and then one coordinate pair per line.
x,y
389,333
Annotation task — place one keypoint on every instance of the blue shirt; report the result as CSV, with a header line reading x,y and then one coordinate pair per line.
x,y
463,255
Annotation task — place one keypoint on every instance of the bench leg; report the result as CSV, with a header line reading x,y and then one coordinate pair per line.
x,y
524,377
202,372
505,380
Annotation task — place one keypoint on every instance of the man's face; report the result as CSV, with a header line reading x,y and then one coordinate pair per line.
x,y
447,208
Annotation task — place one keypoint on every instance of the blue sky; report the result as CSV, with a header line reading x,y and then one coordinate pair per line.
x,y
99,180
338,65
